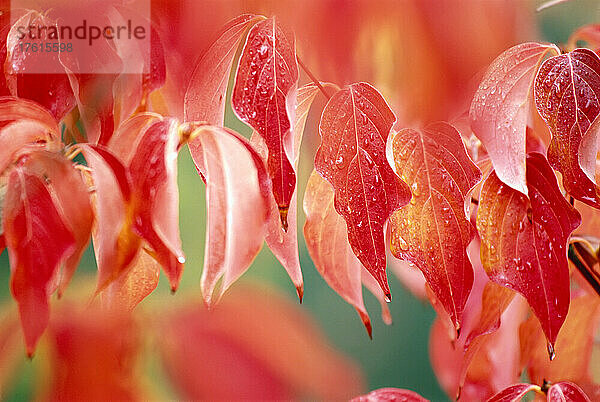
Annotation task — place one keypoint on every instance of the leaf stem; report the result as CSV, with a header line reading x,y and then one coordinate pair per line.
x,y
577,255
313,78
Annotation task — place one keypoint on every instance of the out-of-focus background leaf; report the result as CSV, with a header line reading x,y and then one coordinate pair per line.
x,y
398,354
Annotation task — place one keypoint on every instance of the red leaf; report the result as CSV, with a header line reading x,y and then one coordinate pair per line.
x,y
284,245
432,231
207,89
155,196
523,243
567,93
566,392
264,96
501,109
38,242
24,78
514,393
327,242
115,244
72,199
354,130
390,395
237,197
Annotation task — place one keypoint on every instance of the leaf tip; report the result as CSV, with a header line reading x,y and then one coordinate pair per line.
x,y
300,291
283,212
551,352
366,322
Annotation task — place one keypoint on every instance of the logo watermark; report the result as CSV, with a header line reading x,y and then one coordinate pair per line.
x,y
84,37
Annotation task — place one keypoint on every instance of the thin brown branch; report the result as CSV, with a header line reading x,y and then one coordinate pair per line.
x,y
313,78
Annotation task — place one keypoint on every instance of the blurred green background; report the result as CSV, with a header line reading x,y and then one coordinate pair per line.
x,y
398,354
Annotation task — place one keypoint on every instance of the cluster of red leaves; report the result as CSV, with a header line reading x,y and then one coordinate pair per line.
x,y
423,181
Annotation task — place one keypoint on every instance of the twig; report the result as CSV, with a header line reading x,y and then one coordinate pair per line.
x,y
313,78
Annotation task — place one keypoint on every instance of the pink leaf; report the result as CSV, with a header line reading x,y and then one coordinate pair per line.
x,y
327,242
390,395
155,196
237,198
566,392
501,108
206,92
72,199
285,244
115,244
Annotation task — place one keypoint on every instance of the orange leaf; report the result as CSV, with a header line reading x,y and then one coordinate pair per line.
x,y
92,356
433,231
327,242
523,242
115,245
573,345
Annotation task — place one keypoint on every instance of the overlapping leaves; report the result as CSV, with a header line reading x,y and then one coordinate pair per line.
x,y
354,129
432,231
524,241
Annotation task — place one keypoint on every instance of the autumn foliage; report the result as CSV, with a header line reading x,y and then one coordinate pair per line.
x,y
493,211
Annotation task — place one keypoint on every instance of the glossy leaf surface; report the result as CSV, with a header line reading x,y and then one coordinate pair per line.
x,y
155,196
354,129
72,199
327,242
237,196
514,393
24,78
115,244
207,89
433,231
566,392
38,241
501,109
284,244
567,96
264,96
389,395
523,243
